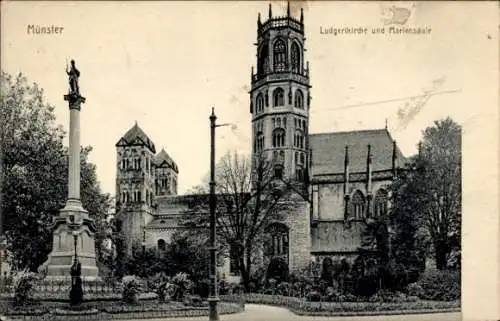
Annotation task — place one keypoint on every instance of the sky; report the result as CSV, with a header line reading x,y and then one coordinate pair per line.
x,y
166,64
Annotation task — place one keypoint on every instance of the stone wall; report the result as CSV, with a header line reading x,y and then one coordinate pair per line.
x,y
298,222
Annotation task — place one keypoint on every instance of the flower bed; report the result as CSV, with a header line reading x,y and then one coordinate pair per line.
x,y
109,310
302,307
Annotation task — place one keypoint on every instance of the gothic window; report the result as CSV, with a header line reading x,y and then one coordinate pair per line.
x,y
162,245
259,142
139,198
278,122
263,60
147,197
274,122
167,182
279,137
127,199
380,203
278,97
299,99
299,173
284,122
174,183
278,242
357,205
278,172
233,260
302,158
299,139
279,55
124,164
295,57
260,103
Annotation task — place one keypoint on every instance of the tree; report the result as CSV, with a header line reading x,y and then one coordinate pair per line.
x,y
247,199
427,198
34,173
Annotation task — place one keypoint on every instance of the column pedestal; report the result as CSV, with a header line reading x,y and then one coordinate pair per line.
x,y
73,229
73,218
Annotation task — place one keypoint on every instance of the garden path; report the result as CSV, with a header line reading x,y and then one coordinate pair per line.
x,y
254,312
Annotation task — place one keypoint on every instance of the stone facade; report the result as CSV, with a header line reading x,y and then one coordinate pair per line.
x,y
346,173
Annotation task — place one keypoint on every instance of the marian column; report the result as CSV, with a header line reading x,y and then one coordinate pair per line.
x,y
74,230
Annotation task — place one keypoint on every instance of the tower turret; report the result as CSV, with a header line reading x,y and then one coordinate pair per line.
x,y
279,96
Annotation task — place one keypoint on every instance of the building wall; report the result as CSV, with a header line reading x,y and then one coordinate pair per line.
x,y
298,221
331,235
331,198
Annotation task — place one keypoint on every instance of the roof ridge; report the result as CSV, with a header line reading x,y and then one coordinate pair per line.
x,y
349,131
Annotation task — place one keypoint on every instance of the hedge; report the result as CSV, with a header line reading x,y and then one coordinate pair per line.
x,y
111,312
302,307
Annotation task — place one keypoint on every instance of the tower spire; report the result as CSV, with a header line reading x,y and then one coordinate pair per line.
x,y
259,23
301,15
288,8
270,11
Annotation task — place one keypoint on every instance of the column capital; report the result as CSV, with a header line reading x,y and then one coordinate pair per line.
x,y
74,100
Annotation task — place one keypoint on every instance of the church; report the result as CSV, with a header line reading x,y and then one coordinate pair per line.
x,y
348,172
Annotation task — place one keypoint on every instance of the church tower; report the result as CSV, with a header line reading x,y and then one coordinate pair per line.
x,y
135,183
279,96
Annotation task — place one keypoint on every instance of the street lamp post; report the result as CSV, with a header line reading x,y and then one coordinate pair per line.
x,y
214,297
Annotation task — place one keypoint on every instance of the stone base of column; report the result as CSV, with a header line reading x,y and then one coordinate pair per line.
x,y
73,218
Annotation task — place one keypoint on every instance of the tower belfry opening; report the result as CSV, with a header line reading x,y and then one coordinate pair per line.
x,y
280,85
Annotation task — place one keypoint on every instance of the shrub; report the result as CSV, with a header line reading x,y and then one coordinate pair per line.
x,y
131,287
162,286
313,296
182,284
440,285
327,270
193,300
415,289
203,288
257,278
394,276
283,289
278,269
23,286
223,287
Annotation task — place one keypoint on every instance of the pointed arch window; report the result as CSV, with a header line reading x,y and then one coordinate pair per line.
x,y
295,57
279,137
357,205
162,245
299,139
259,142
260,103
299,99
263,60
380,203
278,97
279,55
278,243
299,173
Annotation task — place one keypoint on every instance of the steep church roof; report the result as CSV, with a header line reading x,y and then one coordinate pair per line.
x,y
164,159
136,136
328,151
